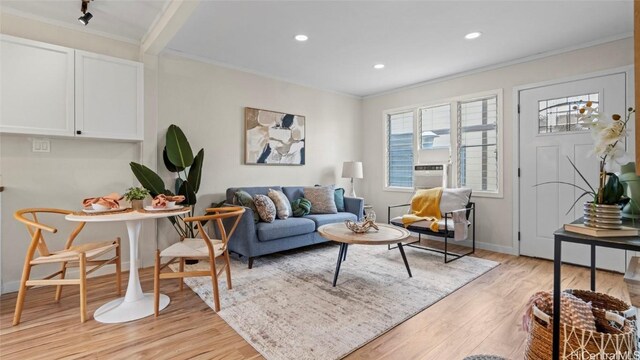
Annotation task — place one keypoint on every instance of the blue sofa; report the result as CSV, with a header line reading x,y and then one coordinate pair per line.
x,y
252,240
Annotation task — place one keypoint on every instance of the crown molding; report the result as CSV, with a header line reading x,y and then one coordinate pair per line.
x,y
522,60
202,59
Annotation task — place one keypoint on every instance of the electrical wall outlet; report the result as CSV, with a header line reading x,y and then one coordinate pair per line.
x,y
41,145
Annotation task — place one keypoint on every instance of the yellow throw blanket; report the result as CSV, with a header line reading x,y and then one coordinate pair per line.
x,y
425,205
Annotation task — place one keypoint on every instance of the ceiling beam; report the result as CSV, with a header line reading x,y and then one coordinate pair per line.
x,y
167,25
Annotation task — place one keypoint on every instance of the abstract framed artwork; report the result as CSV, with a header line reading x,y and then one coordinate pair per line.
x,y
273,138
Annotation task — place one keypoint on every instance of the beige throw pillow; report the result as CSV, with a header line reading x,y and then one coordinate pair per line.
x,y
283,207
454,199
266,208
322,199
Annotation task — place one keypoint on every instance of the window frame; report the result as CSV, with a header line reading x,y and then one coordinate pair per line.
x,y
417,127
385,125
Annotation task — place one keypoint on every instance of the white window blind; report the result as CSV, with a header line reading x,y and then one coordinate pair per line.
x,y
435,125
478,144
400,149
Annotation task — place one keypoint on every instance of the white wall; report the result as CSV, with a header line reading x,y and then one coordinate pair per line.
x,y
494,216
74,168
208,101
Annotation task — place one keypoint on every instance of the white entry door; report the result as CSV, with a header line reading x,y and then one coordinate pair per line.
x,y
548,136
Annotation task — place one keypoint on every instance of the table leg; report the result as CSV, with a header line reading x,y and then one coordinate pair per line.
x,y
593,268
557,265
135,304
341,254
404,258
346,247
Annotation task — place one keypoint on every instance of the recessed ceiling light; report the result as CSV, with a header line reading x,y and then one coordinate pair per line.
x,y
378,66
473,35
301,37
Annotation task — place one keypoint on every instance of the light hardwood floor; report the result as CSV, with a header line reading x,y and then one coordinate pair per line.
x,y
483,317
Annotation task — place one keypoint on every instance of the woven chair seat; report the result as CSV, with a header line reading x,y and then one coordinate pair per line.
x,y
91,251
193,248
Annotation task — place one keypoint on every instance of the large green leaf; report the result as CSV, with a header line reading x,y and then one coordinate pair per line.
x,y
171,167
178,183
188,193
147,178
178,148
195,171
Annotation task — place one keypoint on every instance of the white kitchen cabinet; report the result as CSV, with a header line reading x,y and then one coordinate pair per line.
x,y
52,90
37,89
109,97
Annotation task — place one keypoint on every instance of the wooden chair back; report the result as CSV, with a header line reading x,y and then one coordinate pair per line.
x,y
29,217
216,216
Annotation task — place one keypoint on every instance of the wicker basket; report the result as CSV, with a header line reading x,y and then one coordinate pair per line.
x,y
604,302
615,337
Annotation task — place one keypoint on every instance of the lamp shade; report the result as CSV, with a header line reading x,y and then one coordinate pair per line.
x,y
352,169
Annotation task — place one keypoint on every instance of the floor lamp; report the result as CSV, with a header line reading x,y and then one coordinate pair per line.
x,y
353,170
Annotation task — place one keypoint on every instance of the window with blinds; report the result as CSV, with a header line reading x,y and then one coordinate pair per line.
x,y
400,150
477,144
435,126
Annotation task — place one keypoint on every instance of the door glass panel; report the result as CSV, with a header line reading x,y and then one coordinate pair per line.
x,y
561,114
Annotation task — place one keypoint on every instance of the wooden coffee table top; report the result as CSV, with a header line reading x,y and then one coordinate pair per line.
x,y
388,234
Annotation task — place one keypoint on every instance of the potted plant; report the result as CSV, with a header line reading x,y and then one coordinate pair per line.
x,y
178,159
604,210
135,195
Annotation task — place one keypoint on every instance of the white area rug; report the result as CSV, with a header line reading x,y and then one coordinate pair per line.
x,y
286,308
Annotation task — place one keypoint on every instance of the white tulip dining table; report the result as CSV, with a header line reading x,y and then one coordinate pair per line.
x,y
135,304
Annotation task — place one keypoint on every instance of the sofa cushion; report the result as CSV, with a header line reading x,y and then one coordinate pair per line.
x,y
255,190
284,228
322,199
323,219
283,207
293,192
266,207
243,198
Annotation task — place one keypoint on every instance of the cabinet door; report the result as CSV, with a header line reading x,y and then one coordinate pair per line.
x,y
109,97
37,87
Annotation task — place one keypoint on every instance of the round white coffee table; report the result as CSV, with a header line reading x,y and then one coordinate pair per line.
x,y
387,234
135,304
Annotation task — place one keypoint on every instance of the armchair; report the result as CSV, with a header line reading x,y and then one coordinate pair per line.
x,y
446,230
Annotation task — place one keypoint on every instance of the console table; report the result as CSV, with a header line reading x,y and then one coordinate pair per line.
x,y
624,243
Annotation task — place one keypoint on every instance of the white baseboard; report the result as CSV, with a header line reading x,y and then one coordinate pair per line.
x,y
14,285
480,245
497,248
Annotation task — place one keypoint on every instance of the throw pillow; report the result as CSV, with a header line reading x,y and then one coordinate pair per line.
x,y
322,199
283,207
243,198
454,199
300,207
266,208
339,199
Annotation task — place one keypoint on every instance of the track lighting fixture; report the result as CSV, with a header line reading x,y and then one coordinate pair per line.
x,y
86,16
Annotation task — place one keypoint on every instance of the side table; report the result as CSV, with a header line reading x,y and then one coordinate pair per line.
x,y
624,243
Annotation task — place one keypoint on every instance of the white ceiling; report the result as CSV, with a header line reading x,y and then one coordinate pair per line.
x,y
417,41
125,19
